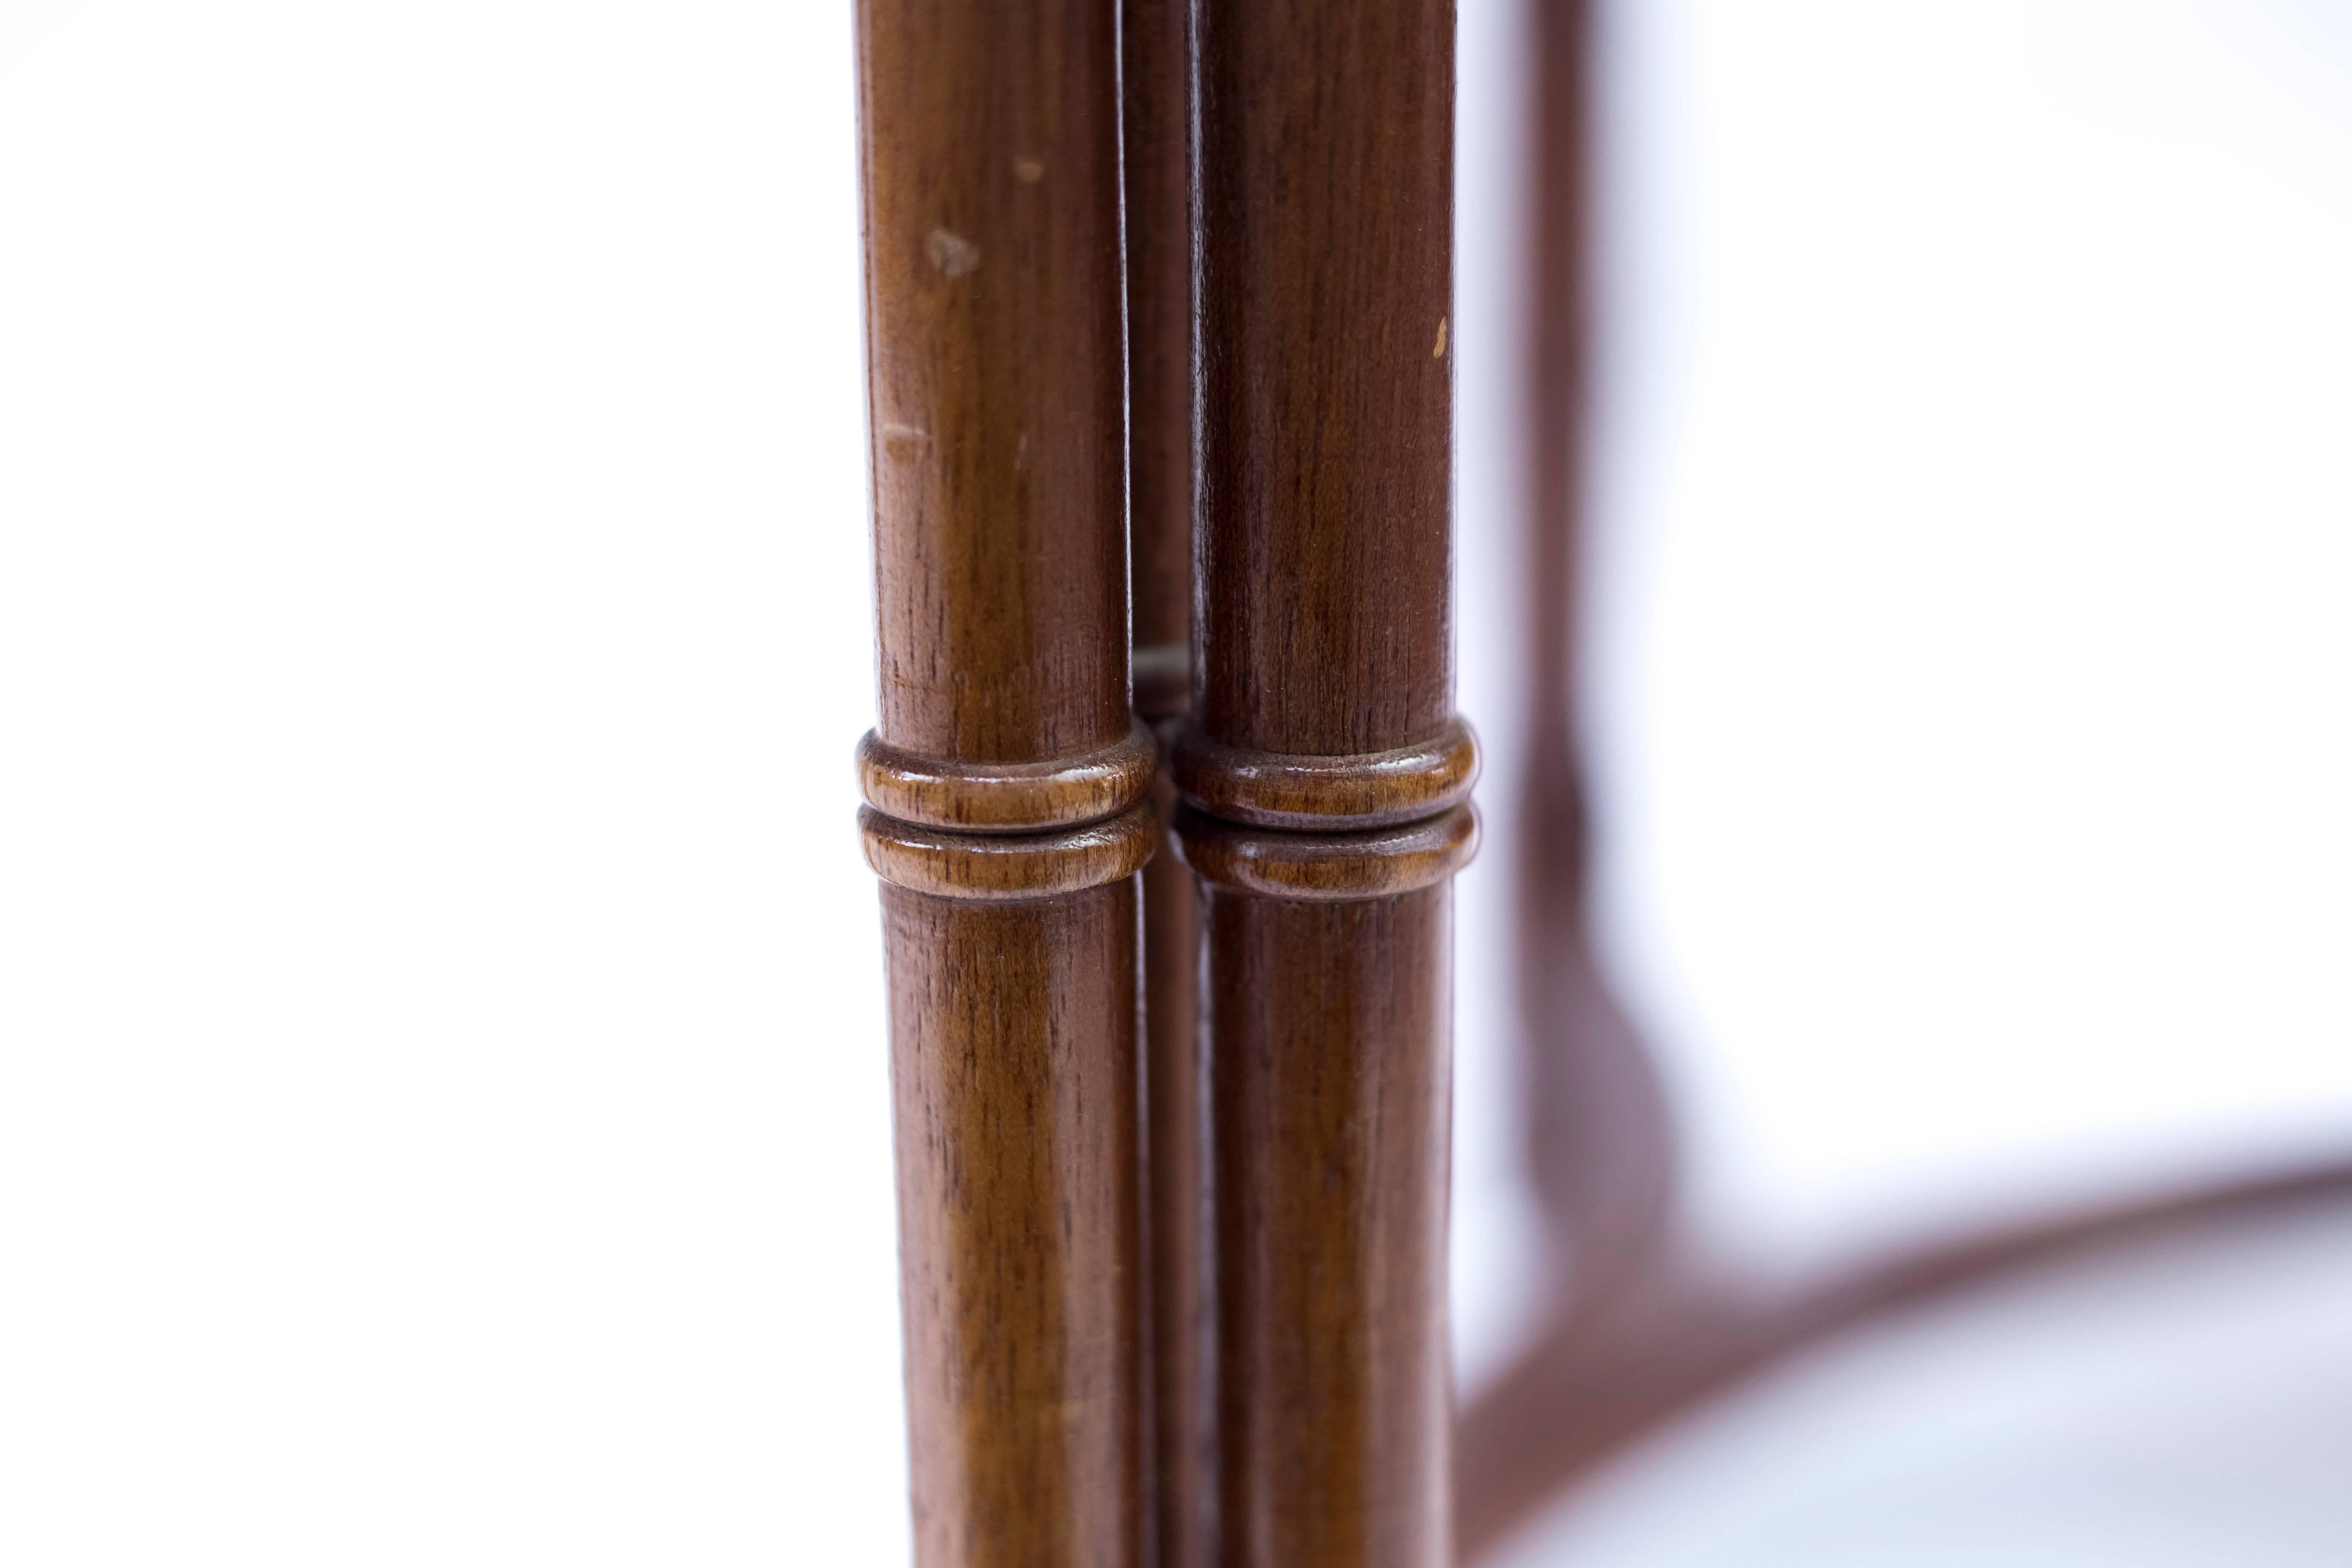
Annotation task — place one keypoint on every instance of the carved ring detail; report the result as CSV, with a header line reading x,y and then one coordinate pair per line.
x,y
1000,867
1328,868
1007,797
1328,794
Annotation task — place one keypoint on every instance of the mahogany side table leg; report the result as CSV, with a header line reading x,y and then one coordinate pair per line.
x,y
1325,774
1006,781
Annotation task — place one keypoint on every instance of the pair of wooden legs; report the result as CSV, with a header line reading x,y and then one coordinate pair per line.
x,y
1175,1297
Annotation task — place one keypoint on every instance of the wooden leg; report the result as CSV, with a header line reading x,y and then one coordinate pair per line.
x,y
1007,783
1017,1200
1325,774
1331,1108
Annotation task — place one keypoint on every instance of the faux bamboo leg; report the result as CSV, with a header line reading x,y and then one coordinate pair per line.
x,y
1017,1200
1006,781
1331,1108
1325,776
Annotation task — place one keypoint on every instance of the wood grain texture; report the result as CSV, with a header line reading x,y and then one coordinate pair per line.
x,y
1323,698
1017,1202
1004,867
995,370
1332,1099
1327,373
1372,789
1007,798
996,374
1328,868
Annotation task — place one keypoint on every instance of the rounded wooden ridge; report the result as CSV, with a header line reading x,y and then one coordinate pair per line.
x,y
1007,797
1328,867
1003,867
1369,789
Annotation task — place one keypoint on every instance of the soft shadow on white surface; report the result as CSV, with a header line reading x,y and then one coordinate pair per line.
x,y
2184,1406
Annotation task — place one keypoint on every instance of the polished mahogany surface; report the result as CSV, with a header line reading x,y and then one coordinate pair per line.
x,y
1332,1110
1324,772
1017,1198
996,367
1007,784
1327,396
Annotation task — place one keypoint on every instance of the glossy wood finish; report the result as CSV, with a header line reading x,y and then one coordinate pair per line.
x,y
1367,790
1328,867
1332,1106
1007,867
1017,1205
1006,782
996,367
1007,797
1321,657
1326,289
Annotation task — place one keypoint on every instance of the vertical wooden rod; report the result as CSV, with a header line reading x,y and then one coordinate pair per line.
x,y
1325,776
1156,109
1007,783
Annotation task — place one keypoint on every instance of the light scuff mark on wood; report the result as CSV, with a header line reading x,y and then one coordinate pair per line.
x,y
951,253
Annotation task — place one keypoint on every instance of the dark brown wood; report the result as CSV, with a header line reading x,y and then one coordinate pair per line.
x,y
1326,291
1157,108
1017,1199
1369,789
1006,781
1330,868
1324,770
1007,797
990,131
1331,1108
1005,867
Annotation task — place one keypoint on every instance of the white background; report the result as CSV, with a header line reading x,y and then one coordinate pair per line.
x,y
443,1109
